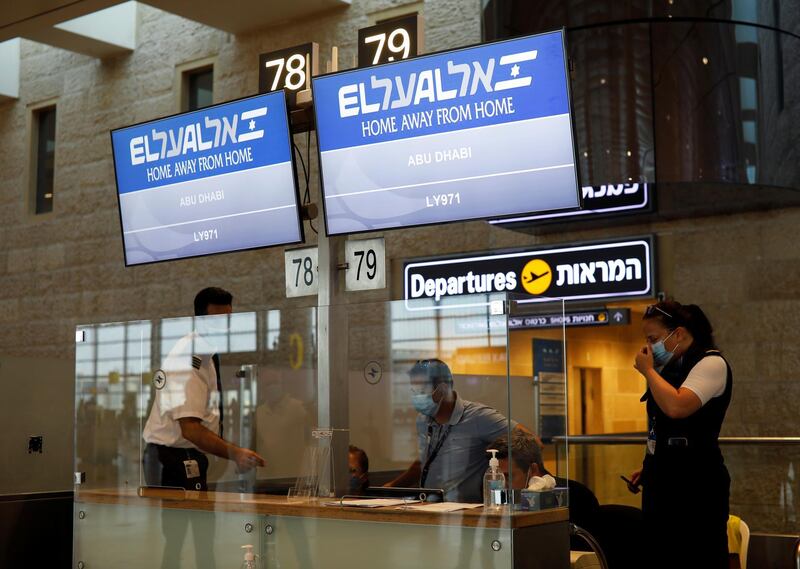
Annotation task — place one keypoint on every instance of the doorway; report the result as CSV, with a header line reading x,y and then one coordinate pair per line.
x,y
586,402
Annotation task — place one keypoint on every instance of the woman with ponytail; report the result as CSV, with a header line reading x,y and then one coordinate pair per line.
x,y
685,482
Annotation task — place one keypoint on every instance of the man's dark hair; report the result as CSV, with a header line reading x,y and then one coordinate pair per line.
x,y
361,456
211,295
436,371
525,451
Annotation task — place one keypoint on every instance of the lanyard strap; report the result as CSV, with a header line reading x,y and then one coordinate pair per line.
x,y
215,359
431,456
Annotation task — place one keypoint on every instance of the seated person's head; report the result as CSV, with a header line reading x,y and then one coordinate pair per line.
x,y
359,469
431,383
526,457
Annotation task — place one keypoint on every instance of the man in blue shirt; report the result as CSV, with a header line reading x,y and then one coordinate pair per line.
x,y
452,436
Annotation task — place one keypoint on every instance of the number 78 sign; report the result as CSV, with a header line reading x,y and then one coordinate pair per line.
x,y
286,69
301,266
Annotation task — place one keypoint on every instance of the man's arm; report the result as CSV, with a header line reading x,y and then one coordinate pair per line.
x,y
492,425
409,479
193,431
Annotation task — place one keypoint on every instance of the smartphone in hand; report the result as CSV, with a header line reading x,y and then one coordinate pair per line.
x,y
632,488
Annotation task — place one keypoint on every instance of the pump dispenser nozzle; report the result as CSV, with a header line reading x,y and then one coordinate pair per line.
x,y
494,482
249,555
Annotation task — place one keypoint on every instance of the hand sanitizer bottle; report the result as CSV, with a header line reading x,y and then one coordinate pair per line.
x,y
494,482
249,558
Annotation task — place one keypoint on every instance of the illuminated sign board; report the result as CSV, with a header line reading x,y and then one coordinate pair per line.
x,y
397,39
600,317
600,270
287,69
476,133
607,199
210,181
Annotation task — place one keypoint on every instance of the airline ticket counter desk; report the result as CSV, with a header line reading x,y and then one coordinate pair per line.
x,y
305,415
118,529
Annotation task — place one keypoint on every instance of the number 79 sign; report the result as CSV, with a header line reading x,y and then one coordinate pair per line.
x,y
390,41
366,264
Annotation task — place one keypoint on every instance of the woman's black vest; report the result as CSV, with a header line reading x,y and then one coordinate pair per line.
x,y
699,431
686,485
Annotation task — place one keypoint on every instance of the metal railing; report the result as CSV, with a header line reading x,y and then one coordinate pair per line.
x,y
641,438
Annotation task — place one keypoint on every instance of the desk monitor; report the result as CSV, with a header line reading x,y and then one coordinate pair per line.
x,y
214,180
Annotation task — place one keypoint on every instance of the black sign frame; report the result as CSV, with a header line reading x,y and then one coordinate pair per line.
x,y
309,53
597,206
505,261
412,24
599,317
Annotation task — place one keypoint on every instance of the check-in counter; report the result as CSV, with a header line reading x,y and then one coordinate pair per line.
x,y
278,402
114,525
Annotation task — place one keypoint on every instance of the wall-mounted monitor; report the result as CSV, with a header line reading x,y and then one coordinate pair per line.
x,y
215,180
480,132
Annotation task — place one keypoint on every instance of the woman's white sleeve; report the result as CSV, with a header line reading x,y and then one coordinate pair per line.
x,y
708,378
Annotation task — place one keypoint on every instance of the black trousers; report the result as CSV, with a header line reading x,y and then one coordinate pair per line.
x,y
685,508
163,466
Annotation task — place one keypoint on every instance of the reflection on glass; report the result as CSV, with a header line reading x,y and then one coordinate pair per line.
x,y
283,425
612,104
674,92
273,329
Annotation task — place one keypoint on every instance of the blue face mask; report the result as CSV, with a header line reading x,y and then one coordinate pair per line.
x,y
357,484
424,403
661,355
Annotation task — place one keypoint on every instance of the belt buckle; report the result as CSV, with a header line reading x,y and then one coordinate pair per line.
x,y
677,442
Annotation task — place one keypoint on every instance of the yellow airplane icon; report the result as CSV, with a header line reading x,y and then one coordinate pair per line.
x,y
536,277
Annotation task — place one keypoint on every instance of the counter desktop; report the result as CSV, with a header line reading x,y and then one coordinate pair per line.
x,y
354,431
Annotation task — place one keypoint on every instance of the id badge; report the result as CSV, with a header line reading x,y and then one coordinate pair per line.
x,y
192,468
651,439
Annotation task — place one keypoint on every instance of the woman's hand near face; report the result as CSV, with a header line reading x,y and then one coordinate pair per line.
x,y
644,360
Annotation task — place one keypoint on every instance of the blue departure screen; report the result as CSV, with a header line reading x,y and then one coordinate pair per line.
x,y
469,134
210,181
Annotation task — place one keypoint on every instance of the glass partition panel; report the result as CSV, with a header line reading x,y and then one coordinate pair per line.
x,y
417,373
111,361
295,431
538,374
538,402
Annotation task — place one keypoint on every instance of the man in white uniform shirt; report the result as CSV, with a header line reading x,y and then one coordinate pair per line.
x,y
185,420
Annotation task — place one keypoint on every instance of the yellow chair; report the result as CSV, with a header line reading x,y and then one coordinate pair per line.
x,y
583,560
738,539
